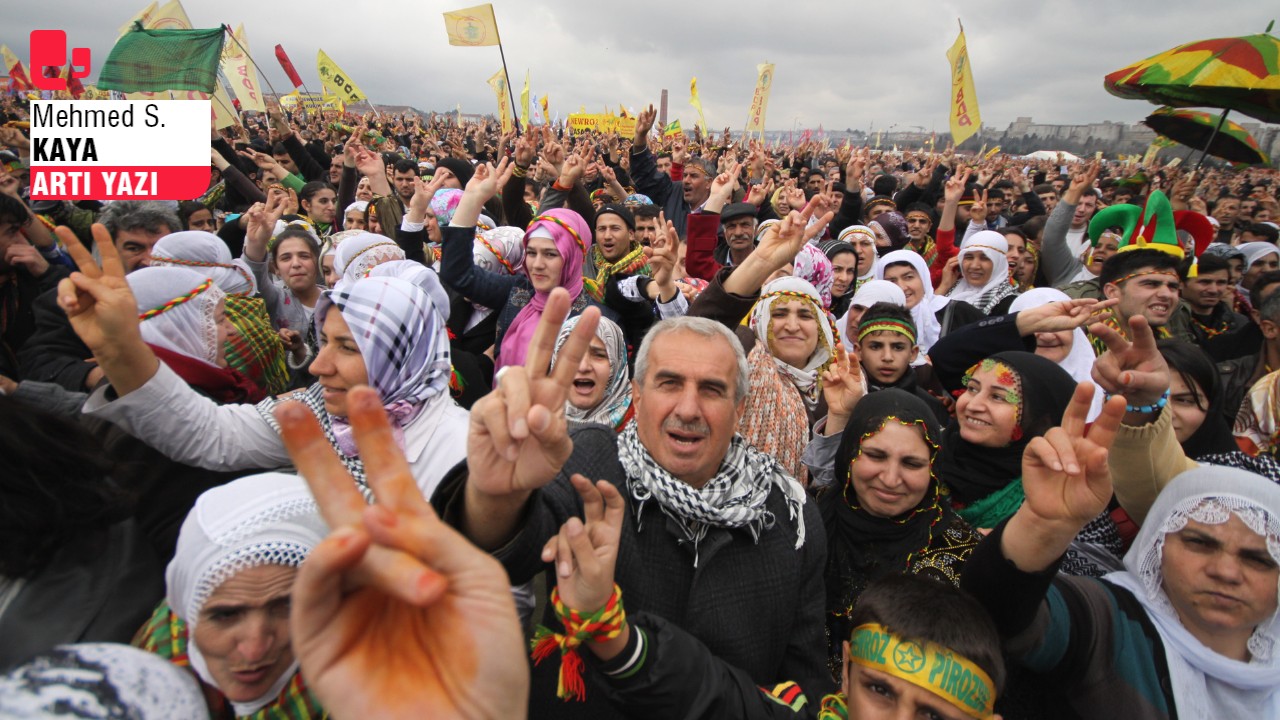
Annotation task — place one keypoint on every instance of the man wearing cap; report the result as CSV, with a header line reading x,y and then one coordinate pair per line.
x,y
616,253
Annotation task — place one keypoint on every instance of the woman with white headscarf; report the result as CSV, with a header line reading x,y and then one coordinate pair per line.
x,y
934,315
1188,629
601,391
226,612
254,349
983,277
356,256
386,332
184,320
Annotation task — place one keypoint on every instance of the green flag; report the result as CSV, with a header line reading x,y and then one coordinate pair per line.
x,y
157,60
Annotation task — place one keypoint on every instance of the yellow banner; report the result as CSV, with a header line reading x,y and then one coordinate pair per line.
x,y
498,81
170,16
143,16
332,77
524,102
238,68
760,100
697,103
583,122
473,26
992,153
965,119
673,129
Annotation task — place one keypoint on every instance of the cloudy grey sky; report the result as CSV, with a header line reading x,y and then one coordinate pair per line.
x,y
839,64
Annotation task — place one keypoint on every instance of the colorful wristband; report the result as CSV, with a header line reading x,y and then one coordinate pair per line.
x,y
603,625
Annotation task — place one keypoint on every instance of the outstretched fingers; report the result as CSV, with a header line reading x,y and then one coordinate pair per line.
x,y
543,345
334,489
386,469
79,253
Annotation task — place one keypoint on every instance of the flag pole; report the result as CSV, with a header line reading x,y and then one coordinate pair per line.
x,y
515,117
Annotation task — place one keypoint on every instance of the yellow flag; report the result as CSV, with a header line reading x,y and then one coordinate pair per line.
x,y
473,26
696,103
992,153
524,101
239,69
498,81
672,129
546,110
143,16
170,16
760,100
332,77
965,119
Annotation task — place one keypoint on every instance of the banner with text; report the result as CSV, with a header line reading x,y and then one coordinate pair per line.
x,y
119,149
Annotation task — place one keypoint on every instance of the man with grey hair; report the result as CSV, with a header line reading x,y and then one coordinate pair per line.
x,y
682,191
54,353
715,537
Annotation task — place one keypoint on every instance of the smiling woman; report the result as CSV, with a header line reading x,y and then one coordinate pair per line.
x,y
226,615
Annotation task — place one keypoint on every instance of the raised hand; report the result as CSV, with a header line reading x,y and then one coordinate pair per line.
x,y
663,256
978,210
518,437
97,300
1135,369
395,611
585,552
574,166
954,189
1062,315
644,124
842,386
1081,182
1064,473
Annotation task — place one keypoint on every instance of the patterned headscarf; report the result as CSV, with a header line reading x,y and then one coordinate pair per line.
x,y
100,680
400,330
995,248
500,250
894,226
572,238
357,255
1257,426
813,265
444,204
268,519
614,408
805,379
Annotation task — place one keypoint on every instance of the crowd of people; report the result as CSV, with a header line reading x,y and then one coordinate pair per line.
x,y
407,417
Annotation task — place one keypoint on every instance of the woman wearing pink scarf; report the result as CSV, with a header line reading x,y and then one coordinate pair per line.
x,y
555,244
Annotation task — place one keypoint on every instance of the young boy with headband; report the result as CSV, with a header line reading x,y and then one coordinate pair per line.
x,y
886,344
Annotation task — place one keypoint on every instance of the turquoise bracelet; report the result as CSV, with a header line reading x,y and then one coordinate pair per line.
x,y
1147,409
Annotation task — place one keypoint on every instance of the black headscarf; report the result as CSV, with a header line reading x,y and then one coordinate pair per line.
x,y
973,472
862,547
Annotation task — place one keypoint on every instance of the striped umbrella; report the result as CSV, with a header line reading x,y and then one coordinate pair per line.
x,y
1194,128
1241,73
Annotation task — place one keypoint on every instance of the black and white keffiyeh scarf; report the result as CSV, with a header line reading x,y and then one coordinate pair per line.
x,y
734,498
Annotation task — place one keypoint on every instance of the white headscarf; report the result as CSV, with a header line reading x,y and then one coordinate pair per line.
x,y
205,253
267,519
1255,251
995,248
359,254
805,379
871,292
617,395
1080,358
925,313
1205,683
177,306
851,235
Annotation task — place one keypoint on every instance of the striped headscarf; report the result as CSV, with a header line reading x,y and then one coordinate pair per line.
x,y
400,329
615,407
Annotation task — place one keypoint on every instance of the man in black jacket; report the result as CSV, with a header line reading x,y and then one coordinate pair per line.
x,y
744,577
25,273
54,353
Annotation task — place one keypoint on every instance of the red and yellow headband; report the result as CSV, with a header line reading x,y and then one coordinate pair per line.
x,y
553,219
871,325
147,315
930,666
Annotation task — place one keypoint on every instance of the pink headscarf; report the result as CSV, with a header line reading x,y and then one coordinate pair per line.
x,y
572,237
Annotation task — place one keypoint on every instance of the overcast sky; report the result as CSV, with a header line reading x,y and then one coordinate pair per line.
x,y
839,64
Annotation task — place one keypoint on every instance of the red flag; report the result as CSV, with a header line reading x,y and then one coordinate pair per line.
x,y
288,67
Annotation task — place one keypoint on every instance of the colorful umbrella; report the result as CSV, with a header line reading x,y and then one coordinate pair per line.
x,y
1197,129
1231,73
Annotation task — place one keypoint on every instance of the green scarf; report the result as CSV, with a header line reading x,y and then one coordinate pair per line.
x,y
994,508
